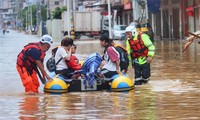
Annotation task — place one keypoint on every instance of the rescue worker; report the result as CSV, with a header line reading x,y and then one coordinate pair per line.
x,y
141,51
31,58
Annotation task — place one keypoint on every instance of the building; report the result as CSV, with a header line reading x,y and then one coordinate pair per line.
x,y
175,18
8,12
52,4
171,20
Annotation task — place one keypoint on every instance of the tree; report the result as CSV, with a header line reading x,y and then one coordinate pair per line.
x,y
57,13
38,11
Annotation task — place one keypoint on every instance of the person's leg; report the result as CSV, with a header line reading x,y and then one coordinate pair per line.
x,y
27,80
36,83
146,72
67,73
137,69
108,74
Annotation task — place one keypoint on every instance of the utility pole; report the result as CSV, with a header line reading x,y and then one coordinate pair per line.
x,y
109,18
26,20
64,2
28,17
31,19
68,14
47,9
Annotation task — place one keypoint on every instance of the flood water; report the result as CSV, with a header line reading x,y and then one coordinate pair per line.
x,y
173,93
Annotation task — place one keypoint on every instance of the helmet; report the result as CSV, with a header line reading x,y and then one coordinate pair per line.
x,y
131,29
46,39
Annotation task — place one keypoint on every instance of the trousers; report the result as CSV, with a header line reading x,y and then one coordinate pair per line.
x,y
30,82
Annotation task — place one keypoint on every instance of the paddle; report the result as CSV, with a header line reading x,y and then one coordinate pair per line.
x,y
40,76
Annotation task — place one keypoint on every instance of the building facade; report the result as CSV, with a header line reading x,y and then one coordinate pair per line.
x,y
176,17
172,21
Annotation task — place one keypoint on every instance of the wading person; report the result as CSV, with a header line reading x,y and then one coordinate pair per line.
x,y
31,58
4,28
141,51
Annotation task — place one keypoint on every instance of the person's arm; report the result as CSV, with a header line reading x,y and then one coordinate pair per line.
x,y
35,54
102,64
128,49
118,67
69,53
150,46
41,67
114,57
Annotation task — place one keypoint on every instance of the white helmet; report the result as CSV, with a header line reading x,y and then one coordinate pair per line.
x,y
46,39
131,29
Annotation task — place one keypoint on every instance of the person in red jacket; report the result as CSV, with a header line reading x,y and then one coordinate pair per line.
x,y
29,60
73,63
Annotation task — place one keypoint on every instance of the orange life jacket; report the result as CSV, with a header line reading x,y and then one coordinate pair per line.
x,y
138,48
28,61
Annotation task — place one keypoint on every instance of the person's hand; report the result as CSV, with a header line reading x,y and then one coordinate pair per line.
x,y
149,59
119,72
49,78
102,64
126,70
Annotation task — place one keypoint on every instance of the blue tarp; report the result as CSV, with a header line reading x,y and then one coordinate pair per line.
x,y
90,67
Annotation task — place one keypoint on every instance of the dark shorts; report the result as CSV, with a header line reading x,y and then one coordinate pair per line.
x,y
65,72
107,73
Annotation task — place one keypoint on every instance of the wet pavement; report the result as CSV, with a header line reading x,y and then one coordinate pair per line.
x,y
173,93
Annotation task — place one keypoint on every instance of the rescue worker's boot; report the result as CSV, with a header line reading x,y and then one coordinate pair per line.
x,y
138,81
145,80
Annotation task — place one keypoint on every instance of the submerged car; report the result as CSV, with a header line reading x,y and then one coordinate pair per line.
x,y
119,32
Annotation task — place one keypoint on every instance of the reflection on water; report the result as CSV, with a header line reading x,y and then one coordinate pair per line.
x,y
172,93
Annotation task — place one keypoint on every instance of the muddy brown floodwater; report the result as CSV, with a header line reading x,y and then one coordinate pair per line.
x,y
173,93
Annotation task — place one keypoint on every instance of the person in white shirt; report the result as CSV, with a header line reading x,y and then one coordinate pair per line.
x,y
111,57
62,55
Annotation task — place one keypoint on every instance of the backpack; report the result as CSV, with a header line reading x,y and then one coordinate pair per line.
x,y
124,61
51,63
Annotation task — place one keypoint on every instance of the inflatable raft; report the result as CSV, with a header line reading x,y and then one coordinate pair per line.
x,y
89,80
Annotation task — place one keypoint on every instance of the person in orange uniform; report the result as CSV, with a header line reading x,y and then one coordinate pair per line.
x,y
29,60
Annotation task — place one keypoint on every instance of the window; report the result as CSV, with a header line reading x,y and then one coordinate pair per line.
x,y
56,2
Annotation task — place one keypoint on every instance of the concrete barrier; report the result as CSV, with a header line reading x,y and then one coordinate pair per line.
x,y
56,30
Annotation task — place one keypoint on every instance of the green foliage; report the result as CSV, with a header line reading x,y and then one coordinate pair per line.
x,y
8,23
57,13
34,12
44,13
23,17
38,14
